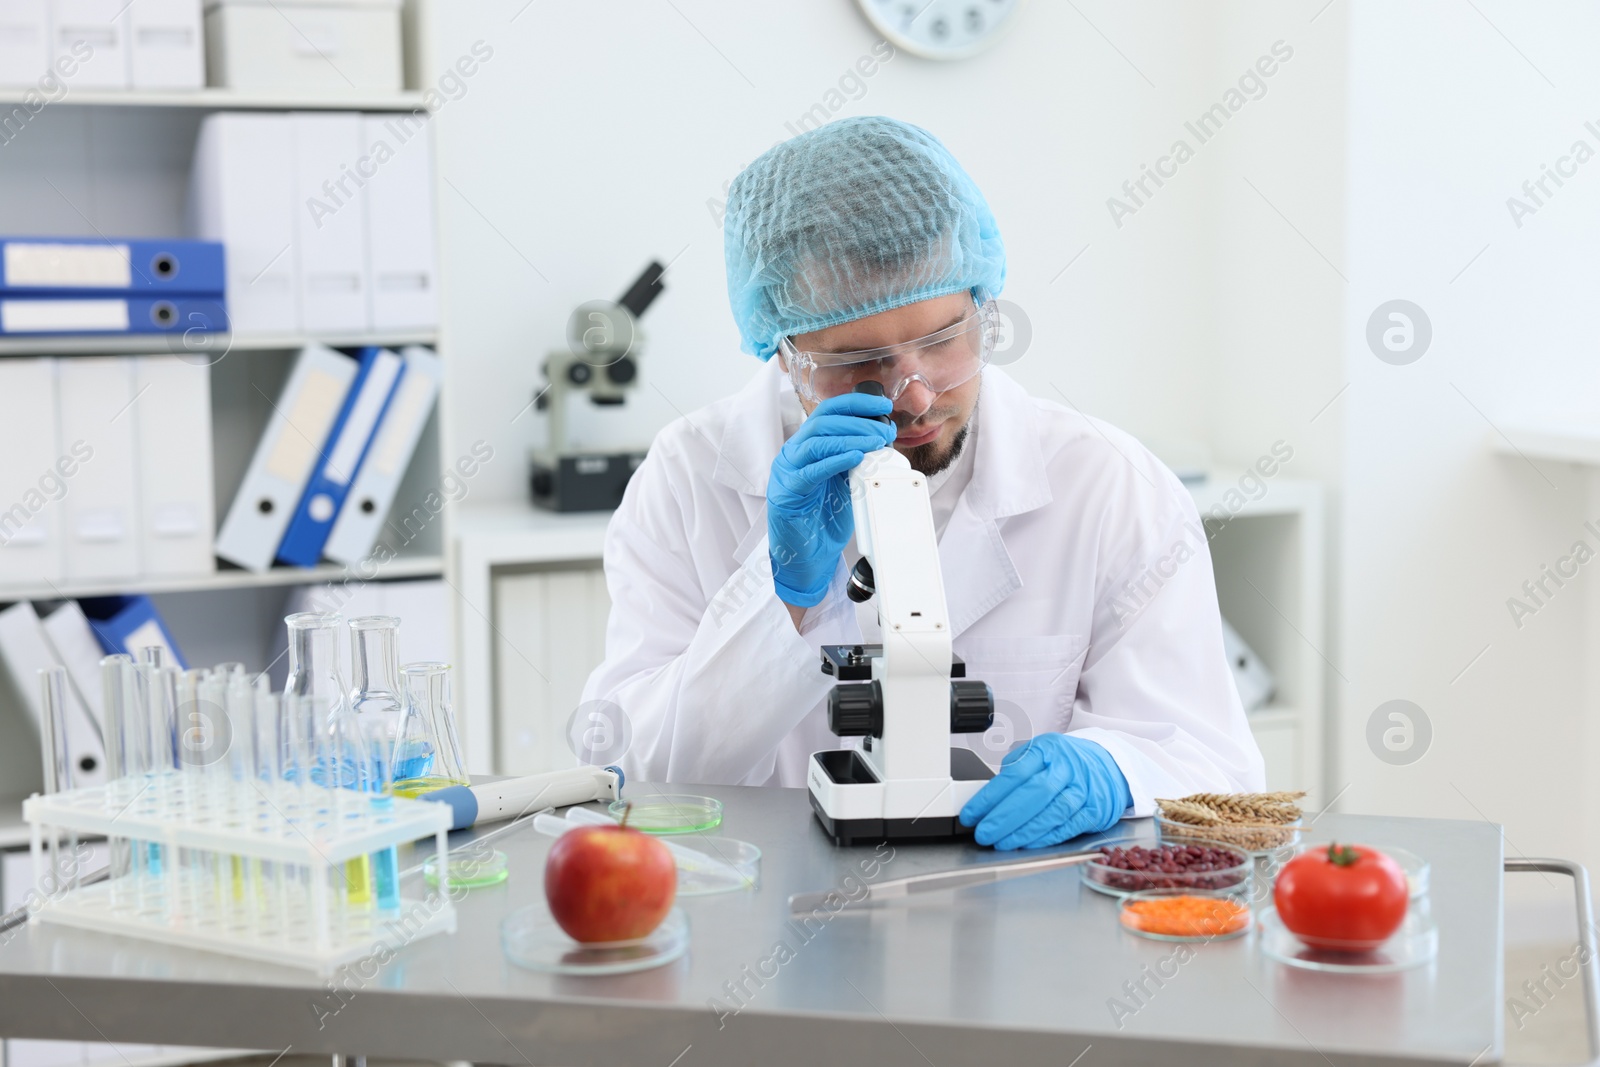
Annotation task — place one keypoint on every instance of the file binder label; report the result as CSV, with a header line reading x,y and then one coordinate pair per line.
x,y
316,405
411,405
63,316
90,266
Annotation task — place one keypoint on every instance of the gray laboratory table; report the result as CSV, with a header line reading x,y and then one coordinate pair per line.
x,y
1022,971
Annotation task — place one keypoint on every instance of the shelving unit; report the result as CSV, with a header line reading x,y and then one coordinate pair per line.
x,y
228,100
214,344
116,163
1268,558
429,566
1569,440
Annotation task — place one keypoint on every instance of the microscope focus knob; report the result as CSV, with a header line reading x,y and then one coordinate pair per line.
x,y
856,709
971,707
579,373
623,371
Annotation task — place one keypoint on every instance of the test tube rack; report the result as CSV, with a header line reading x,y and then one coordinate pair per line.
x,y
251,868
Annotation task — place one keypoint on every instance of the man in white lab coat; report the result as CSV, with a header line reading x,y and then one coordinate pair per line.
x,y
1075,565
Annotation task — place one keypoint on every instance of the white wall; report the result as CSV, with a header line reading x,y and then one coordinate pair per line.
x,y
595,136
1231,309
1447,120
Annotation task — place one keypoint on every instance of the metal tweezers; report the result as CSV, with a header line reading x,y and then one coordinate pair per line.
x,y
960,878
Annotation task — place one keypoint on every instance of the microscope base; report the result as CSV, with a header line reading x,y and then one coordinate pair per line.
x,y
587,481
851,803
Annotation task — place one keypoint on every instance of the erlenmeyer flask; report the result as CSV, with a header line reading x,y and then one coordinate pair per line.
x,y
375,682
427,754
314,677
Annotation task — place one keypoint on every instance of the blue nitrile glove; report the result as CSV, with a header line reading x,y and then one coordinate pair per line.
x,y
1053,788
809,520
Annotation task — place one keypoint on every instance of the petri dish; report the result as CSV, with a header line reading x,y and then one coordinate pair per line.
x,y
729,865
1416,943
670,813
531,938
1221,915
468,871
1254,838
1234,876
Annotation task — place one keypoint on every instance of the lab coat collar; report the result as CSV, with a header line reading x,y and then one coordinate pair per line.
x,y
753,431
1008,475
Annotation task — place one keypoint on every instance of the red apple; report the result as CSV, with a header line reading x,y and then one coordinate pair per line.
x,y
609,883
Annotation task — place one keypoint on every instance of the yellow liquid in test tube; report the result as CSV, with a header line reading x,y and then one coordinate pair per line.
x,y
358,880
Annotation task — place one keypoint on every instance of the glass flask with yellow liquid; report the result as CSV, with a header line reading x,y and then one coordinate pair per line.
x,y
427,754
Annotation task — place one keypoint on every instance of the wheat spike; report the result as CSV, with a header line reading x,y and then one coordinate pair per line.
x,y
1250,807
1186,812
1283,797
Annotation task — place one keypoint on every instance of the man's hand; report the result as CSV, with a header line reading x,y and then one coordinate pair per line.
x,y
808,493
1053,788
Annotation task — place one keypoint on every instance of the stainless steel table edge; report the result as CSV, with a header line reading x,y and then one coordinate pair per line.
x,y
561,1030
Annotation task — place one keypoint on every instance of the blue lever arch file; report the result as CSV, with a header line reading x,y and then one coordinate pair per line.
x,y
341,459
176,315
60,265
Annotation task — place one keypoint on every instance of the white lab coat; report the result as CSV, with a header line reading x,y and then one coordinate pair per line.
x,y
1075,568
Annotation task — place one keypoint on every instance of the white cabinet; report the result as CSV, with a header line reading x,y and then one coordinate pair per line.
x,y
550,632
1268,557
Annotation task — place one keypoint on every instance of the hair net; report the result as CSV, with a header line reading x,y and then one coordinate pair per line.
x,y
850,219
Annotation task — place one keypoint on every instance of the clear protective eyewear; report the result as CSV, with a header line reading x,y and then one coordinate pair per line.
x,y
941,361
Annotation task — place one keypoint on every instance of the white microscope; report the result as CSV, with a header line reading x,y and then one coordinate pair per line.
x,y
907,695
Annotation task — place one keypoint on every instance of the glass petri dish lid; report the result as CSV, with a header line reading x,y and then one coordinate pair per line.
x,y
716,865
1229,868
670,813
468,871
1254,838
531,938
1414,944
1185,915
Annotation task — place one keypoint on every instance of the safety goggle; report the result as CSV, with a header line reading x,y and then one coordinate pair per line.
x,y
941,361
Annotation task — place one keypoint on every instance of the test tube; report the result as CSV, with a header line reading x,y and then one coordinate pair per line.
x,y
350,773
302,757
271,804
265,710
57,760
385,864
116,685
131,677
237,767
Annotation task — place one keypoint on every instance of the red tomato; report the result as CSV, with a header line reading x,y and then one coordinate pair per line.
x,y
1346,897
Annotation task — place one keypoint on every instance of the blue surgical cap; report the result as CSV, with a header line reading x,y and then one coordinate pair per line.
x,y
850,219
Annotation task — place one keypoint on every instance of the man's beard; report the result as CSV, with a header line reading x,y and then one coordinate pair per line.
x,y
929,459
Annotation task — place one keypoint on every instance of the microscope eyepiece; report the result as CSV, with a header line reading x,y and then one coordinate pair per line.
x,y
860,587
874,389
